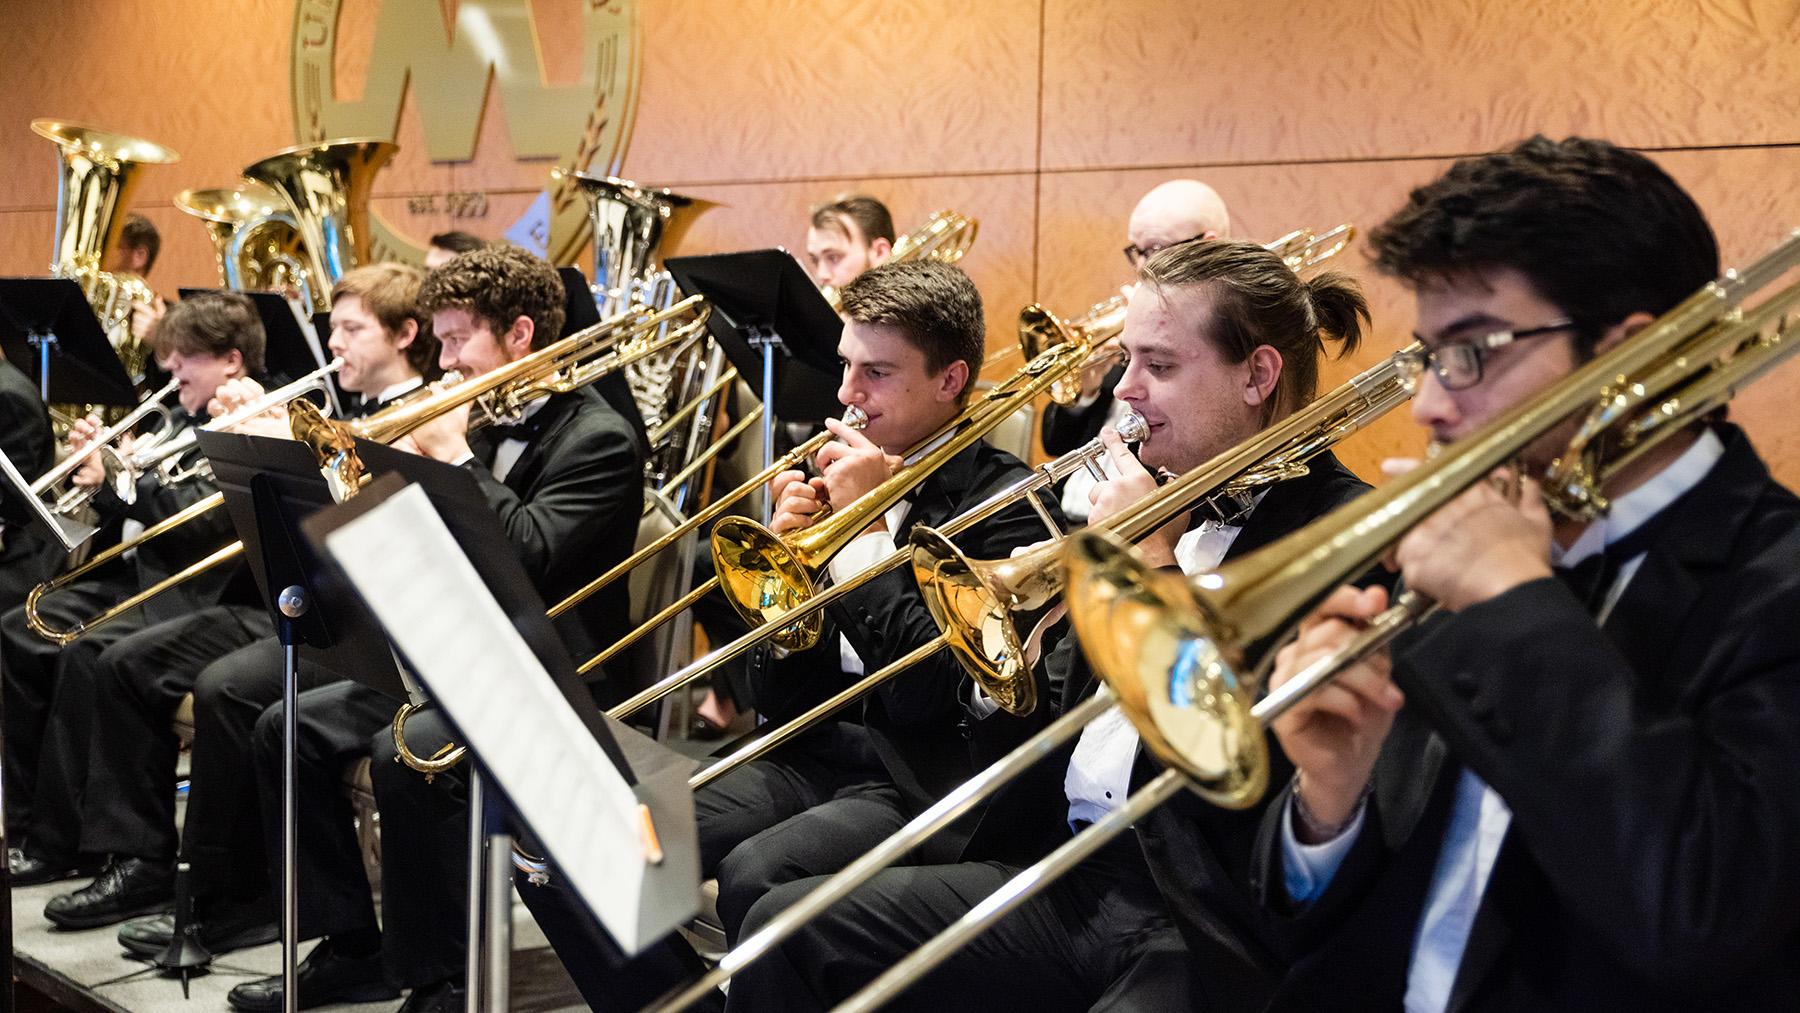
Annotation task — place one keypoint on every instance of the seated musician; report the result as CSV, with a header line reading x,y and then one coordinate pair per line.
x,y
226,659
1575,789
27,556
203,342
848,236
444,247
1222,340
566,482
1171,212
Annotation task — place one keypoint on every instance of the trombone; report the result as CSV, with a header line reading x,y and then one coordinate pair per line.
x,y
162,453
982,598
1171,651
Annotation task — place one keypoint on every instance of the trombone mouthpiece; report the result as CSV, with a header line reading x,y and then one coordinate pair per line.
x,y
1132,428
855,417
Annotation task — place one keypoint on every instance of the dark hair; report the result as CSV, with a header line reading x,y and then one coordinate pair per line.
x,y
214,323
457,241
499,284
870,215
139,234
1599,231
390,292
935,305
1258,300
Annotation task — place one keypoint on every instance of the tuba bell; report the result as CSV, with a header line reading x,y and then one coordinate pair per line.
x,y
256,241
325,188
98,171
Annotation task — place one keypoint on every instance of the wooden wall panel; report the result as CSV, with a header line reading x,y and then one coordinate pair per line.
x,y
1178,82
781,89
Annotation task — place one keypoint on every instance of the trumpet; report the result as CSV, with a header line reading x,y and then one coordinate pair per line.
x,y
944,237
123,473
1302,250
65,501
974,604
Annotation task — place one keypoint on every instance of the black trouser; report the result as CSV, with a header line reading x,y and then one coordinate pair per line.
x,y
50,712
424,856
129,805
1096,939
331,731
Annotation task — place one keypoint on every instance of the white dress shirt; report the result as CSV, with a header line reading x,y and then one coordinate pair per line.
x,y
1480,818
394,390
509,451
1099,774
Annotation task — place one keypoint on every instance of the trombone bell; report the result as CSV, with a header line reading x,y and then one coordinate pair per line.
x,y
977,624
1153,640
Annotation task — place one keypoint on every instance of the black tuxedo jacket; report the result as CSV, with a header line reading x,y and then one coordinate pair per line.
x,y
1064,429
570,507
1649,768
27,556
915,722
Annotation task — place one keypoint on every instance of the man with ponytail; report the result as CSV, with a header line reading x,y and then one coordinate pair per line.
x,y
1222,341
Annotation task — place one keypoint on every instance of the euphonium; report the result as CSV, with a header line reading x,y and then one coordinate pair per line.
x,y
326,188
631,222
256,241
944,237
99,171
1172,649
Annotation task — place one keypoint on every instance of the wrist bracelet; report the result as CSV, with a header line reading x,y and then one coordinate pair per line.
x,y
1314,828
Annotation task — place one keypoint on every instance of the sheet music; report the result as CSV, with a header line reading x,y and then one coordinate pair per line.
x,y
433,604
70,533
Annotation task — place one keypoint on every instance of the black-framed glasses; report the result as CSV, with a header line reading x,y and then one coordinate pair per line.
x,y
1135,255
1458,364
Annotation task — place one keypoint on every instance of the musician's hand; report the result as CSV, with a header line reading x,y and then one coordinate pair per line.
x,y
1334,734
1479,545
91,473
145,316
232,395
1132,482
1091,379
852,466
796,498
445,438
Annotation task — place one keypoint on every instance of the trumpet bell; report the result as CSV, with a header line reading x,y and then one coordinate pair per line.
x,y
1153,641
978,626
764,579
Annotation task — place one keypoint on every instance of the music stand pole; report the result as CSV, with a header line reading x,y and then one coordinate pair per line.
x,y
45,343
487,964
292,604
767,343
498,978
472,965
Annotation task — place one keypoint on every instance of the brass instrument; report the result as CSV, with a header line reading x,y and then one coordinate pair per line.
x,y
66,501
1672,373
256,241
981,599
944,237
157,456
98,172
1302,250
325,188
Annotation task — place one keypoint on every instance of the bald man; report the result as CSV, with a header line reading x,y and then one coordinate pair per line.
x,y
1172,212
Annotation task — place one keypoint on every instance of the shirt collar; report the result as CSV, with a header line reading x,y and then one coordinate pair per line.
x,y
1631,510
394,390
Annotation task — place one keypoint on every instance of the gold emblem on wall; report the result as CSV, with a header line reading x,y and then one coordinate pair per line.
x,y
442,54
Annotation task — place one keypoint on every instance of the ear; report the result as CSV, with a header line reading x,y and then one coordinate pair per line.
x,y
952,381
408,332
1264,375
1625,328
518,337
234,362
1210,234
879,250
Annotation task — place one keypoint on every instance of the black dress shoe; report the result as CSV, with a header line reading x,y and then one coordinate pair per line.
x,y
27,869
443,997
322,977
149,936
126,888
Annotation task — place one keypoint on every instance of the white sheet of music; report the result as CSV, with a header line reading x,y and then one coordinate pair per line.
x,y
428,597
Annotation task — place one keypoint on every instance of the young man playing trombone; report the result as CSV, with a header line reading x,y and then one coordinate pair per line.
x,y
1222,340
204,343
1563,793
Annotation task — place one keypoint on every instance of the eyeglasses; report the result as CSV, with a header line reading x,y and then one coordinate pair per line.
x,y
1458,364
1135,255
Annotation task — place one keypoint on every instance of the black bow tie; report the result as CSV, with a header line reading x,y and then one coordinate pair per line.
x,y
524,430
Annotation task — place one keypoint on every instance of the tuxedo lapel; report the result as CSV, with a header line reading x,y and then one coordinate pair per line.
x,y
555,416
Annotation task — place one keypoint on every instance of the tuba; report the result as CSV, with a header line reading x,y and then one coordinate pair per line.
x,y
98,173
256,241
325,191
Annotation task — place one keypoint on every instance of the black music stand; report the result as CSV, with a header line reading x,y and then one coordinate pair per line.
x,y
669,890
772,322
292,351
48,322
